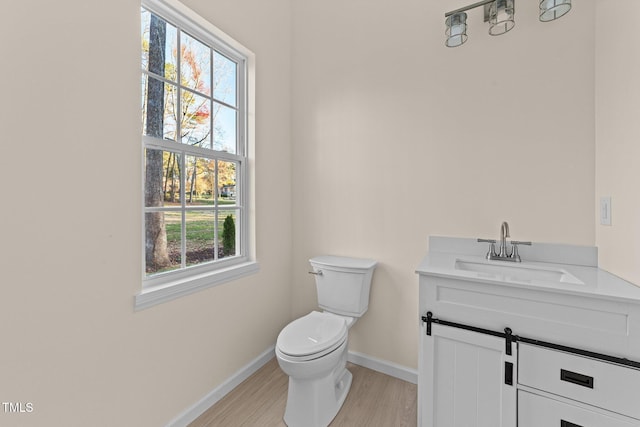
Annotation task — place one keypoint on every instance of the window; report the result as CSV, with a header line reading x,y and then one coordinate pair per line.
x,y
194,112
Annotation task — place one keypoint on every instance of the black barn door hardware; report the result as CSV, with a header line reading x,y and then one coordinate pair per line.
x,y
510,339
507,334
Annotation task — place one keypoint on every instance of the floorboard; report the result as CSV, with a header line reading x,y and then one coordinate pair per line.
x,y
375,400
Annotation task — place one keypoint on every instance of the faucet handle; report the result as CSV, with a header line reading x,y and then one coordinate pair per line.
x,y
514,253
492,248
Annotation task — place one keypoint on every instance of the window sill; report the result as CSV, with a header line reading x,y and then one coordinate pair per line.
x,y
159,294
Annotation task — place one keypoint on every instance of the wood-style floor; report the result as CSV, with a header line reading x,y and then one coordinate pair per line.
x,y
375,400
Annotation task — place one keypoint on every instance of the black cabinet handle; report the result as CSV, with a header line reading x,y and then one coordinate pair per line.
x,y
576,378
564,423
508,373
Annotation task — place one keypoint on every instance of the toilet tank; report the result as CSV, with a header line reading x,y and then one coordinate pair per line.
x,y
343,283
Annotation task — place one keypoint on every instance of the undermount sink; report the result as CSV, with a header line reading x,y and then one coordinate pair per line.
x,y
517,272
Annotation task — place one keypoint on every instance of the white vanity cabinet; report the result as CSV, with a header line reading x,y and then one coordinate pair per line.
x,y
574,344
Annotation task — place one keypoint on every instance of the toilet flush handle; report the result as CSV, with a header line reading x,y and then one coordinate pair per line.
x,y
317,273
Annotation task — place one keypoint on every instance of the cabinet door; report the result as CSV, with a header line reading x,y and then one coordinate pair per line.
x,y
463,380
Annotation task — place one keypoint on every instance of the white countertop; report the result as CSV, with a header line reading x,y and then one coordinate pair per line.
x,y
592,281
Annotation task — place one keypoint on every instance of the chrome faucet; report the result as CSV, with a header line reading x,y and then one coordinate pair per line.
x,y
504,233
504,254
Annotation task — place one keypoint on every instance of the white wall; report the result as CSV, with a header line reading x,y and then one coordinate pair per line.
x,y
618,136
396,137
70,255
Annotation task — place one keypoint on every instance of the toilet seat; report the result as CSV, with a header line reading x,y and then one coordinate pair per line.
x,y
312,336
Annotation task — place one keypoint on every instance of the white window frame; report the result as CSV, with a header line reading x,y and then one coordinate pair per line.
x,y
164,287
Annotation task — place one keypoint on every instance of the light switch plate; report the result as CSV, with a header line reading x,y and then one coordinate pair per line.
x,y
605,210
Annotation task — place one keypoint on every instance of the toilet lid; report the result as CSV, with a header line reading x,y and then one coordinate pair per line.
x,y
312,334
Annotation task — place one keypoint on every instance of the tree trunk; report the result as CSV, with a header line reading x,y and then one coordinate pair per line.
x,y
193,179
174,187
170,177
155,231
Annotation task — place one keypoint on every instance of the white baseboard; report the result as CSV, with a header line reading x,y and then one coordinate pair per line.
x,y
222,390
384,366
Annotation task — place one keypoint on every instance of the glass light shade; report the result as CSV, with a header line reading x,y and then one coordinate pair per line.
x,y
456,29
501,14
553,9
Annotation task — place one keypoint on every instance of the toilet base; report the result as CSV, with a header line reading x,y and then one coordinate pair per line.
x,y
316,403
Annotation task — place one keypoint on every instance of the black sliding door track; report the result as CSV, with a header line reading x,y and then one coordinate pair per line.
x,y
510,338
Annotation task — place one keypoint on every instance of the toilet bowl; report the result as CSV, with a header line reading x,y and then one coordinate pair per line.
x,y
312,350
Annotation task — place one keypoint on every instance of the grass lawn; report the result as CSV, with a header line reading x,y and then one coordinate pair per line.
x,y
200,232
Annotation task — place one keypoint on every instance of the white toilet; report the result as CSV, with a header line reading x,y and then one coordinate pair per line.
x,y
312,350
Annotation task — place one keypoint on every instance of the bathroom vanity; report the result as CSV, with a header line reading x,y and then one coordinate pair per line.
x,y
552,341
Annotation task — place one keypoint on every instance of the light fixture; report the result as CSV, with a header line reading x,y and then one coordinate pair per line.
x,y
499,14
456,29
553,9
